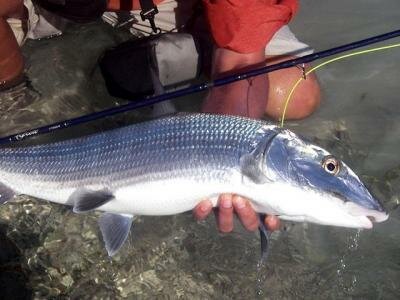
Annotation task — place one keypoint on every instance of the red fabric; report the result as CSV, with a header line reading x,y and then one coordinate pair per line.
x,y
246,26
126,5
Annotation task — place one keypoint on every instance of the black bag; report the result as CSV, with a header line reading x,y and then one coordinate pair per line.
x,y
141,67
80,11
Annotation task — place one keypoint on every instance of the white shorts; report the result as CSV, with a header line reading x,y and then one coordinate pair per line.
x,y
284,42
38,25
16,24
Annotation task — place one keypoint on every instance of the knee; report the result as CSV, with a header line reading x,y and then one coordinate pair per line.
x,y
304,101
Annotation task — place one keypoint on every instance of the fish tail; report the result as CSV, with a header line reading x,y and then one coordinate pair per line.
x,y
6,193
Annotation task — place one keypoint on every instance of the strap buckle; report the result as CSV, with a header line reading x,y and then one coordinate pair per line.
x,y
302,67
148,14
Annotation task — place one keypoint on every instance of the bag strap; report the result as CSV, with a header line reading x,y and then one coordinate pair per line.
x,y
197,11
149,10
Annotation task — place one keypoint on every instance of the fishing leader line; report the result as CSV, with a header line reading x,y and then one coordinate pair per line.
x,y
304,76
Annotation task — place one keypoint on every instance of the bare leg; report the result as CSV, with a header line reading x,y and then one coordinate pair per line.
x,y
116,5
262,94
305,99
243,98
11,60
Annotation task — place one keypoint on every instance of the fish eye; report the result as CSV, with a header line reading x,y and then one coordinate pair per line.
x,y
331,165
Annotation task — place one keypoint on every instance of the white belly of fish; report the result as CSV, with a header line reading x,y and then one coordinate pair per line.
x,y
162,198
165,197
173,196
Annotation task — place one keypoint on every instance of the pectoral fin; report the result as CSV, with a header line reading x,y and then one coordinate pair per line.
x,y
6,193
85,200
115,229
252,164
250,168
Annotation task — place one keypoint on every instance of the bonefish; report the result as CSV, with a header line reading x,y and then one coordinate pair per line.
x,y
166,166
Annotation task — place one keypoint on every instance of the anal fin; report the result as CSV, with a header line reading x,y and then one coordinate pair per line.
x,y
115,230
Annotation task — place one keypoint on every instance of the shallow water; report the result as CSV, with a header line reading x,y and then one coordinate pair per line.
x,y
60,254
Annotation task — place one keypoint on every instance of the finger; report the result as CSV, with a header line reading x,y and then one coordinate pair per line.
x,y
272,222
225,213
202,210
245,212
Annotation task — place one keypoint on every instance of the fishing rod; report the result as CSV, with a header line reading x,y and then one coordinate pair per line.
x,y
150,100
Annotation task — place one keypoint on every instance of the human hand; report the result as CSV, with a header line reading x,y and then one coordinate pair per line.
x,y
227,205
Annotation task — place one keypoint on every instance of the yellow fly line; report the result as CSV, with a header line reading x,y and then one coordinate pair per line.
x,y
323,64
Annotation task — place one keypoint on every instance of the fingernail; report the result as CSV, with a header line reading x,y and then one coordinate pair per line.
x,y
226,203
240,203
205,207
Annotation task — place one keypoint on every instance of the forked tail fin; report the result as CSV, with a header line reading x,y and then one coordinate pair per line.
x,y
6,193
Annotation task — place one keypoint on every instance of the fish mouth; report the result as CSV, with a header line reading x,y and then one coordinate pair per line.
x,y
366,216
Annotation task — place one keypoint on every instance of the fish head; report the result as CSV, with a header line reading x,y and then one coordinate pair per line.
x,y
332,193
